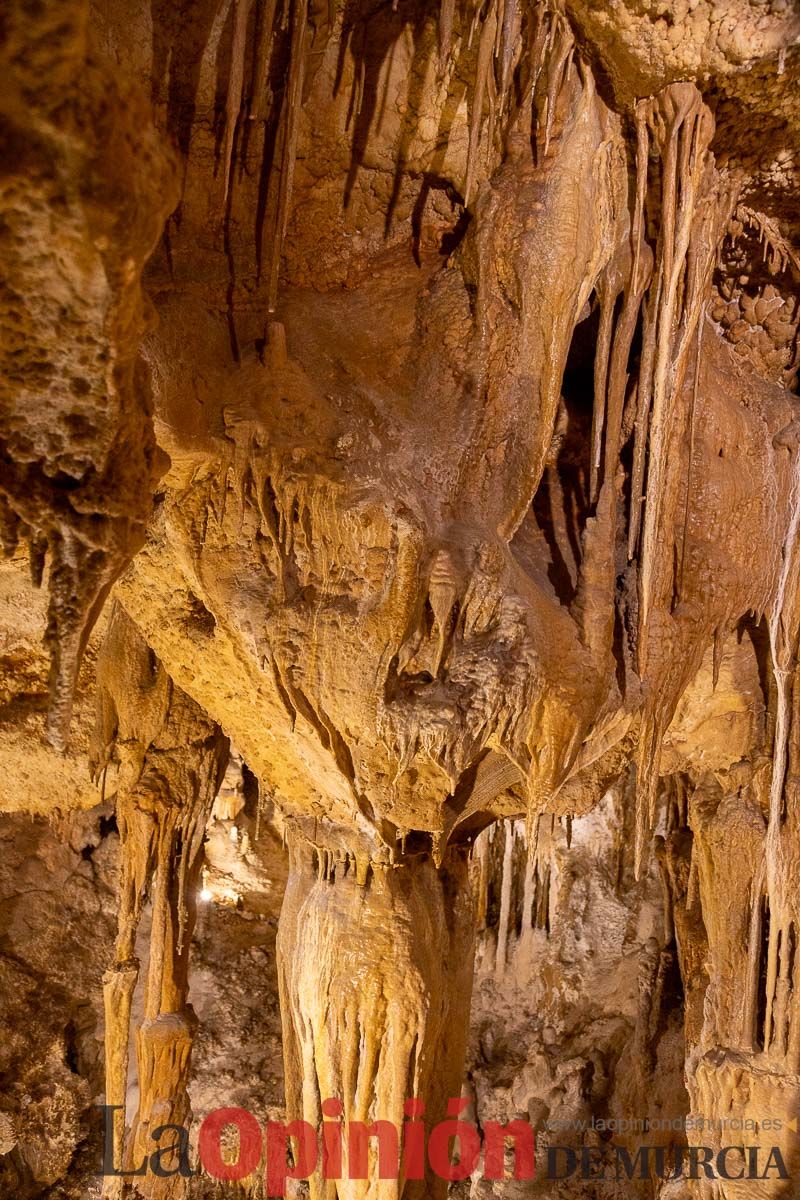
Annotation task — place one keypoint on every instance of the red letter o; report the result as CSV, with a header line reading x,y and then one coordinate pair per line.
x,y
210,1148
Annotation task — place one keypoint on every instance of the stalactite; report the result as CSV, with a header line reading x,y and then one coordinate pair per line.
x,y
492,104
460,650
529,894
482,889
784,625
76,436
629,272
682,129
233,102
607,295
666,890
86,555
749,1032
505,899
540,852
783,254
501,5
510,27
292,107
209,63
447,9
258,106
552,50
484,66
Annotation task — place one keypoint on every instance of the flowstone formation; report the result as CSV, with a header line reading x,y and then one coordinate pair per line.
x,y
457,480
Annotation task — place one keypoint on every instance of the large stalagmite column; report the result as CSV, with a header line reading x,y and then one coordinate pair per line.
x,y
170,759
376,968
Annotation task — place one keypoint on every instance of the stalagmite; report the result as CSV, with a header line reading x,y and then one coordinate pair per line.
x,y
375,983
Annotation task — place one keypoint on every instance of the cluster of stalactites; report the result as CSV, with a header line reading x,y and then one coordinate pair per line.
x,y
779,255
244,106
515,878
660,289
665,289
694,210
538,44
499,33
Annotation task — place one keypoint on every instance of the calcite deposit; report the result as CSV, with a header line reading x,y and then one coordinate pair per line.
x,y
399,417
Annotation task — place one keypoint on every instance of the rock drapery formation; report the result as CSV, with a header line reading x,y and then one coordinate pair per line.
x,y
455,478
